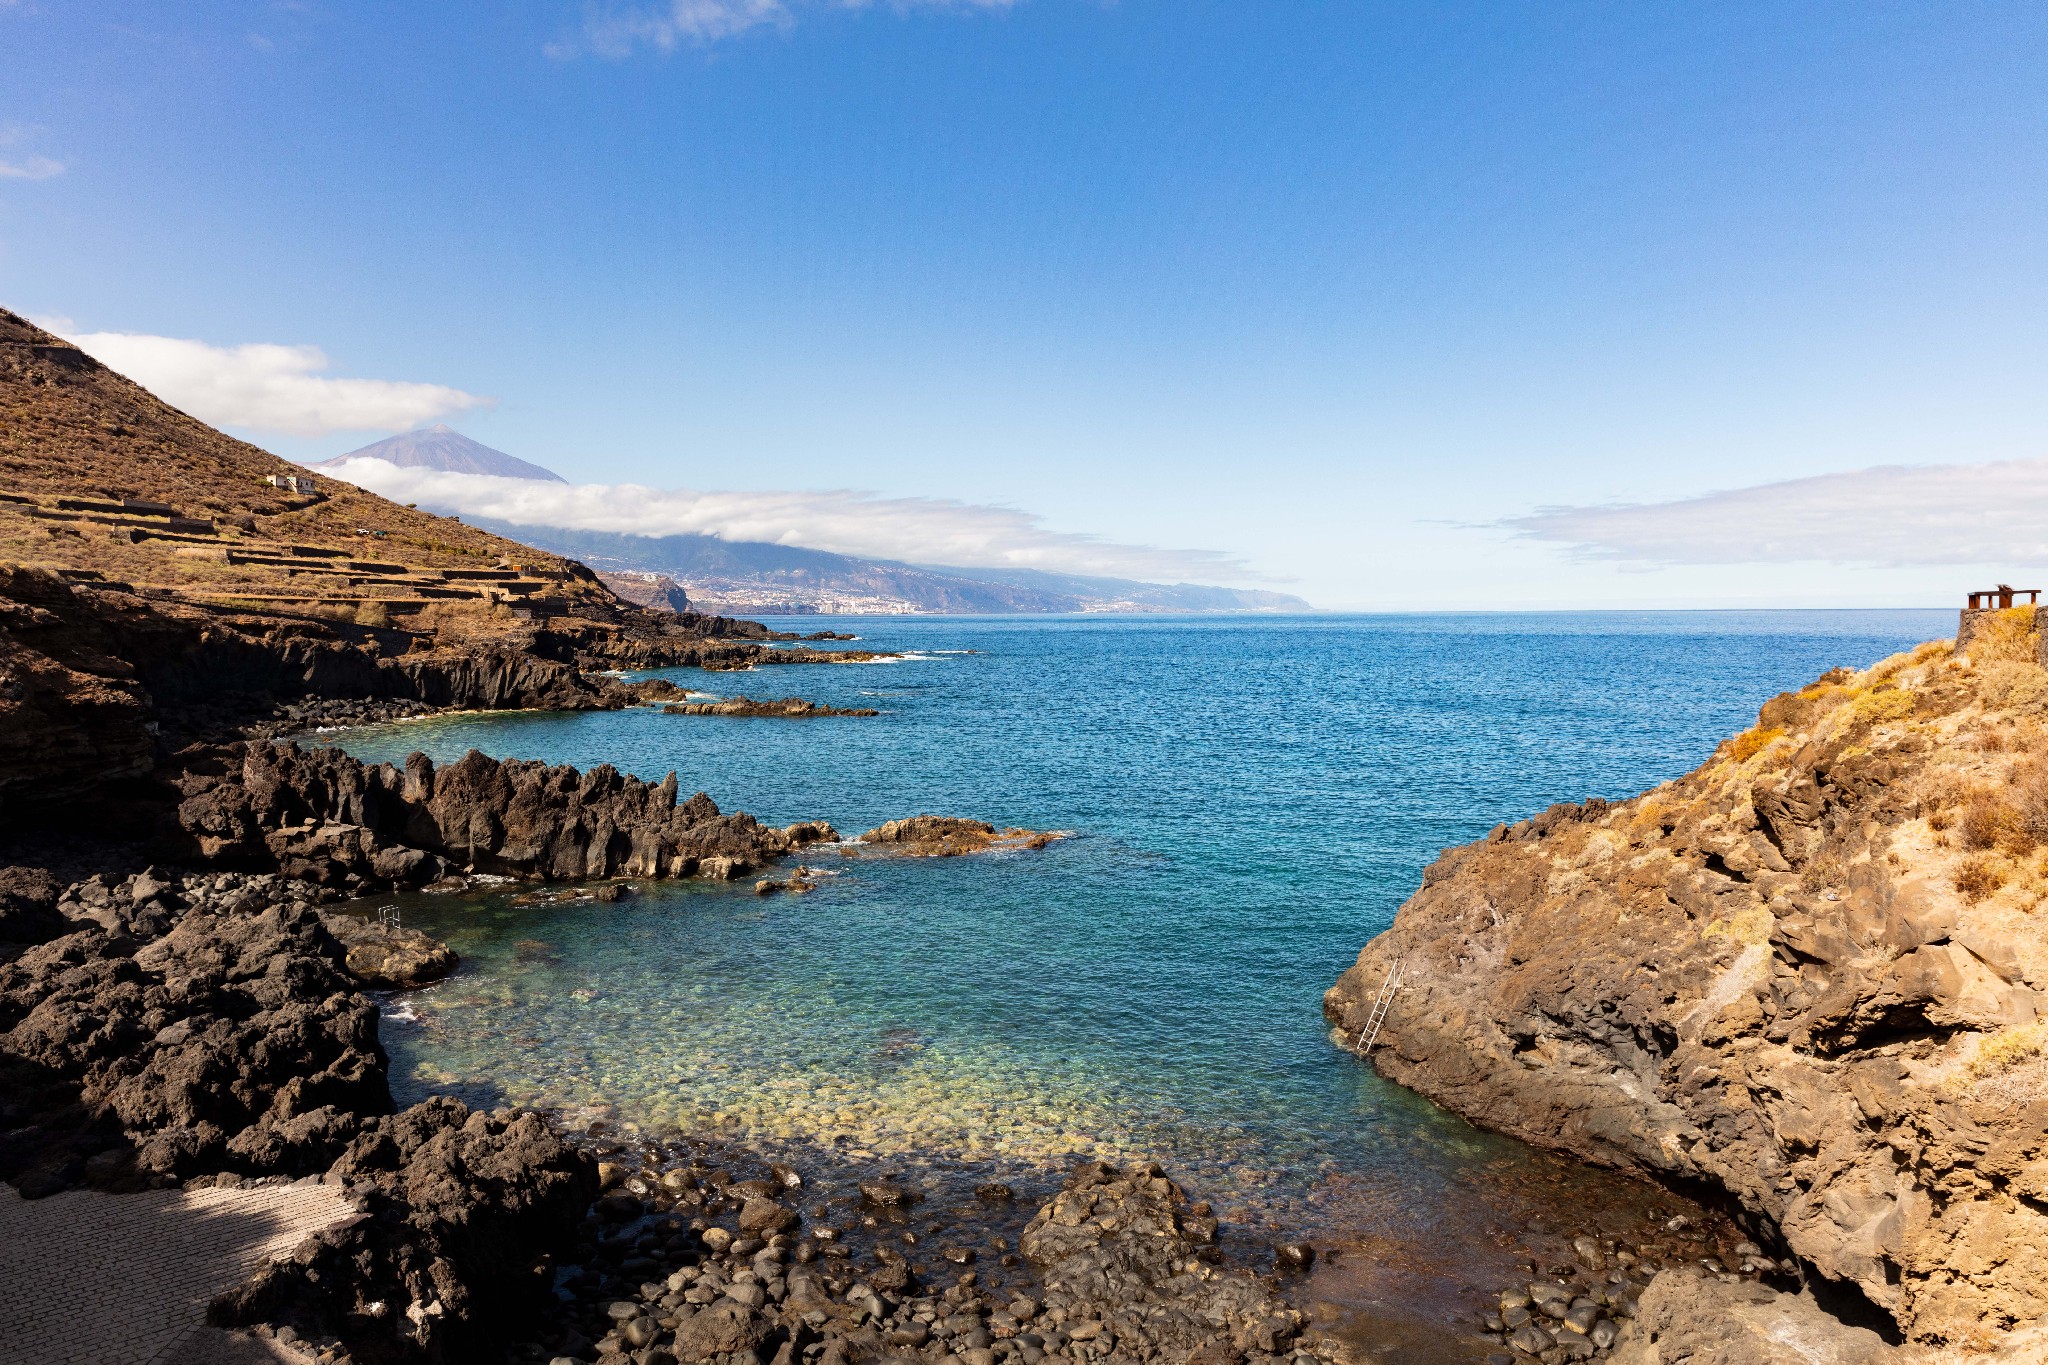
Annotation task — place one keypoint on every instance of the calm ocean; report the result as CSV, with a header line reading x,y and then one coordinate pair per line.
x,y
1251,800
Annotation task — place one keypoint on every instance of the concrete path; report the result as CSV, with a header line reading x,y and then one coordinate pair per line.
x,y
102,1279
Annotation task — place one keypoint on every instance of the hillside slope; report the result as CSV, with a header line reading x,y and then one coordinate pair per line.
x,y
1810,974
99,476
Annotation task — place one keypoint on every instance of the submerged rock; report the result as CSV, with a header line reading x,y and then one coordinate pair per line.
x,y
794,708
941,836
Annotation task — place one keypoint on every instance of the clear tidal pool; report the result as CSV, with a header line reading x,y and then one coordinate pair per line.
x,y
1251,799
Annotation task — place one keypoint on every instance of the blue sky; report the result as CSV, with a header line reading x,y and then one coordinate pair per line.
x,y
1344,292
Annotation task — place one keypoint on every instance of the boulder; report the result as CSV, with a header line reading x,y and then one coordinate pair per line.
x,y
720,1328
764,1217
388,956
461,1212
28,907
1687,1317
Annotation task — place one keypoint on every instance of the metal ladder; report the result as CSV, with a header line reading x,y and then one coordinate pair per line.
x,y
1370,1034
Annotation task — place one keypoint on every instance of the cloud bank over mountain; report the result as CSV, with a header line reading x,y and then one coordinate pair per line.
x,y
264,387
844,521
1892,515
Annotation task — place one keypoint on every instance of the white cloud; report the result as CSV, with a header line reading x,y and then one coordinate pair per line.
x,y
34,168
617,30
915,530
1893,515
265,387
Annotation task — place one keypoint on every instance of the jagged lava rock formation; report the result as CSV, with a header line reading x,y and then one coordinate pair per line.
x,y
321,815
1809,974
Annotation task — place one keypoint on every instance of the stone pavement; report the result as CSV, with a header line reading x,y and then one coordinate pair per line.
x,y
104,1279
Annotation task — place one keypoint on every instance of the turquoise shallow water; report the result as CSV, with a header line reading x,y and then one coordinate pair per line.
x,y
1251,800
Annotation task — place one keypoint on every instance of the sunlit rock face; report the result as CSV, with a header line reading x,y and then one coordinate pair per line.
x,y
1807,973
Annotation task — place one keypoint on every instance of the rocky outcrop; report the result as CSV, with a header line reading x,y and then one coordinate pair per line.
x,y
946,836
686,1260
229,1042
72,712
321,815
654,591
1805,975
1123,1256
28,909
205,1028
390,957
449,1257
694,642
1690,1317
793,708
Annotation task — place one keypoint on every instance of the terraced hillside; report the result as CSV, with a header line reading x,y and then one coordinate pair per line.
x,y
100,478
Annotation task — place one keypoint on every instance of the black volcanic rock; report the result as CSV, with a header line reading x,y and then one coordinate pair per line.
x,y
1120,1238
28,907
319,814
788,708
192,1050
450,1258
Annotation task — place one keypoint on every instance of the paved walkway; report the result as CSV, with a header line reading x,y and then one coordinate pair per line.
x,y
102,1279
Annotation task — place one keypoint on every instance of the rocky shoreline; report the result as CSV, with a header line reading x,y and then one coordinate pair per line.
x,y
201,1019
179,1004
1802,979
210,1028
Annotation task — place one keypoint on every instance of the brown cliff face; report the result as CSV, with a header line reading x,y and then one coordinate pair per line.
x,y
98,683
91,678
1810,974
72,711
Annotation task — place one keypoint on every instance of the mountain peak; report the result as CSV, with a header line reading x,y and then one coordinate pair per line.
x,y
442,447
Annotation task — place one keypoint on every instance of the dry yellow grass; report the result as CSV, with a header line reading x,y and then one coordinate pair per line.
x,y
1886,703
1821,872
1980,875
2007,635
1994,1052
1988,822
